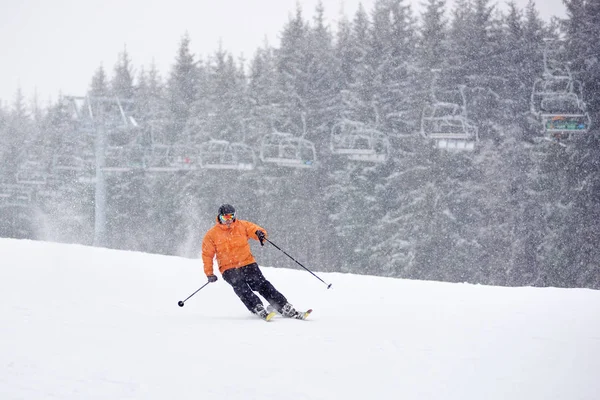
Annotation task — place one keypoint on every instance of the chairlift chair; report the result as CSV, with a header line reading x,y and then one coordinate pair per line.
x,y
123,158
80,168
70,163
359,143
556,100
445,119
244,155
31,173
185,157
286,150
562,116
221,154
553,87
450,130
170,158
12,195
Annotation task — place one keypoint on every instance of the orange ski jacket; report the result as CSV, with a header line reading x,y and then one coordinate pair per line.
x,y
229,244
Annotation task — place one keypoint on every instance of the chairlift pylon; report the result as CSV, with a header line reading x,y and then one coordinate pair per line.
x,y
111,117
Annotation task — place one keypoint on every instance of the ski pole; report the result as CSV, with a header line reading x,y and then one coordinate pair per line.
x,y
278,248
180,303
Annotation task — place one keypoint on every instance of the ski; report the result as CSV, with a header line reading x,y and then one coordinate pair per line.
x,y
298,315
304,315
270,315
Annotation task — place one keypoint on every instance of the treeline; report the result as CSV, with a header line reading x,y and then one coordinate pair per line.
x,y
513,212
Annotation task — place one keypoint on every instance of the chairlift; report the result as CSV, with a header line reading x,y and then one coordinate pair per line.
x,y
286,150
123,158
221,154
553,85
70,163
15,195
31,173
77,167
556,100
445,120
450,130
358,142
170,158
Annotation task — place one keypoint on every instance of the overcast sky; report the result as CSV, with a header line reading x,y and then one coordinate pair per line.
x,y
53,46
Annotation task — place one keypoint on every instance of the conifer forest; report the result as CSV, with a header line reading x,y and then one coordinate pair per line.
x,y
458,144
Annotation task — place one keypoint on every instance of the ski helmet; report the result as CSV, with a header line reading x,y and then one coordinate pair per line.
x,y
226,209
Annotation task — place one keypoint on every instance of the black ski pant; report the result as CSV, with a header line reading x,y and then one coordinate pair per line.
x,y
247,279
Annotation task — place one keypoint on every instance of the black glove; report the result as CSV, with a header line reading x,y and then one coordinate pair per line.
x,y
212,278
261,237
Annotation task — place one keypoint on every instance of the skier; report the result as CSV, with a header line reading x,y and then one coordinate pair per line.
x,y
228,240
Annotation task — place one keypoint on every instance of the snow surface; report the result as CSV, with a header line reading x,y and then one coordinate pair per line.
x,y
90,323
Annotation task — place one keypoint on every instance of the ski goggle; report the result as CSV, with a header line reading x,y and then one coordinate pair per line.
x,y
226,217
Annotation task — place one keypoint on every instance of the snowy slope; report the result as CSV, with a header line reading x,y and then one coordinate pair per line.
x,y
89,323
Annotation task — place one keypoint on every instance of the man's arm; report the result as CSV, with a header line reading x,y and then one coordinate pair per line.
x,y
252,229
208,254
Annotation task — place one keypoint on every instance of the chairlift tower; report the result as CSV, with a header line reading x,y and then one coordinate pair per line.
x,y
110,122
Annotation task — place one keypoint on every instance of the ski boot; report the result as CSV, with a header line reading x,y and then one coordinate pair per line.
x,y
262,313
290,312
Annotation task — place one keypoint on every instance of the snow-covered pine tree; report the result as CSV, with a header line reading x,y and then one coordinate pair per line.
x,y
182,90
323,82
122,80
293,69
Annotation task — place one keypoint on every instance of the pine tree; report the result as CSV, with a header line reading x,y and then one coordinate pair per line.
x,y
343,51
433,35
357,98
360,97
432,50
182,90
122,81
16,135
152,107
128,193
225,106
265,96
99,85
323,81
292,68
397,98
